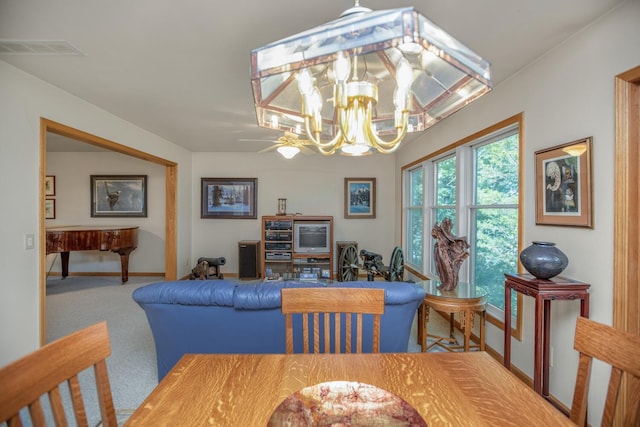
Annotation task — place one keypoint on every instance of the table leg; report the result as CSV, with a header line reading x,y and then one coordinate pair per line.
x,y
483,316
423,345
467,322
546,345
124,262
421,337
538,346
64,259
452,328
507,327
584,306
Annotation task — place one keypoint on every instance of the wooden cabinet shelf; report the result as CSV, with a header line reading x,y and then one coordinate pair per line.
x,y
297,247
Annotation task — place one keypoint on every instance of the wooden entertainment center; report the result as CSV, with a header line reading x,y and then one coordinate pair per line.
x,y
297,247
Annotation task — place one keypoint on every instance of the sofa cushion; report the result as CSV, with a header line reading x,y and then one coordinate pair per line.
x,y
267,295
188,292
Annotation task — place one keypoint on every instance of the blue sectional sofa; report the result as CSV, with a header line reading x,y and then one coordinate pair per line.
x,y
222,316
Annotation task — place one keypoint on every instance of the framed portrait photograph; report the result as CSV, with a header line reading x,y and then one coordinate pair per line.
x,y
50,209
563,185
50,185
230,198
359,197
119,196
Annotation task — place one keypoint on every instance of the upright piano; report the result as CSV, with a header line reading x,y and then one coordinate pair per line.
x,y
119,239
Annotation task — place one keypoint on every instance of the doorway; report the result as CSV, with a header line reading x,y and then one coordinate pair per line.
x,y
47,126
626,295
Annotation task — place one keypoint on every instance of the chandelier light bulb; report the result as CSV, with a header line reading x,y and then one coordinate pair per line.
x,y
400,98
316,101
404,74
341,68
305,82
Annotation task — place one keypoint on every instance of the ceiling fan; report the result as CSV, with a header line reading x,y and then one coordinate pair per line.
x,y
288,145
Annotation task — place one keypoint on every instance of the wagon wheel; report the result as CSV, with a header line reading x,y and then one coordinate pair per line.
x,y
396,265
349,264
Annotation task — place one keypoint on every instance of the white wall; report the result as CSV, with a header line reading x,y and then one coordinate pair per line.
x,y
312,185
23,101
73,201
566,95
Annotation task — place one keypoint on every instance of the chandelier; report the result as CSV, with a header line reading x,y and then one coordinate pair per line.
x,y
363,81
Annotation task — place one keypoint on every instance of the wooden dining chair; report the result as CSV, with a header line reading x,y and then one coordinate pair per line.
x,y
617,348
24,381
335,304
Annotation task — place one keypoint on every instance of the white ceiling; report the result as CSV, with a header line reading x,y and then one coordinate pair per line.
x,y
180,69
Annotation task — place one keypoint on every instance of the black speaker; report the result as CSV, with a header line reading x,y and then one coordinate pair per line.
x,y
249,259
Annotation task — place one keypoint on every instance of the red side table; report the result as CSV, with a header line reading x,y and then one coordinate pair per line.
x,y
544,291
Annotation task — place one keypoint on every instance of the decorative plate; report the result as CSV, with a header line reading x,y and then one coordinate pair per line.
x,y
343,403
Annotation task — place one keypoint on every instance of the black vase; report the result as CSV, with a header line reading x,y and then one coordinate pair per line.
x,y
543,260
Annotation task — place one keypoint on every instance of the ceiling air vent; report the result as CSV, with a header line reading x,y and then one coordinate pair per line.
x,y
38,47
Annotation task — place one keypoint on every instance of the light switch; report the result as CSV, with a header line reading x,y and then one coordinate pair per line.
x,y
28,241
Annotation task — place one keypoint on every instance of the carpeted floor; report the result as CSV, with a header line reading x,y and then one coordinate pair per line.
x,y
79,301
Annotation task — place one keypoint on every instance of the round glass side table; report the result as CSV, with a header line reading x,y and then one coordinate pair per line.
x,y
466,300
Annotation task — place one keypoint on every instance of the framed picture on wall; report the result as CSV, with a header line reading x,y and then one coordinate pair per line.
x,y
50,185
563,185
119,196
230,198
359,197
50,209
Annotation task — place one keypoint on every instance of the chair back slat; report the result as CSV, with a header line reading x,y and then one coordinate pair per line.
x,y
616,348
288,327
57,407
37,414
14,421
104,389
348,336
333,303
76,399
359,326
42,371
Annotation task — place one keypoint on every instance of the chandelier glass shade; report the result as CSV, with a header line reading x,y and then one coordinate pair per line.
x,y
360,83
288,151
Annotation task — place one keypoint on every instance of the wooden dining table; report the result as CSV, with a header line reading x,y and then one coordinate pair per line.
x,y
446,389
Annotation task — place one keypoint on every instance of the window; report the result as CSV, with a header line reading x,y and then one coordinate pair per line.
x,y
445,189
475,182
414,218
494,214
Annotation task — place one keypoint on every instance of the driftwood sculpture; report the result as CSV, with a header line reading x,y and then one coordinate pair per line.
x,y
449,253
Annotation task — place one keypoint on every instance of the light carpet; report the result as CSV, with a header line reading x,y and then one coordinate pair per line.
x,y
77,302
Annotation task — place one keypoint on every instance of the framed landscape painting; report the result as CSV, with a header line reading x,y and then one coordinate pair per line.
x,y
563,185
231,198
119,196
359,197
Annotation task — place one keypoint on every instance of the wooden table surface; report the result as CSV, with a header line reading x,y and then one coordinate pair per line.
x,y
447,389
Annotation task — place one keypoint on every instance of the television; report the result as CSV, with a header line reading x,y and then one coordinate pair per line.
x,y
311,237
